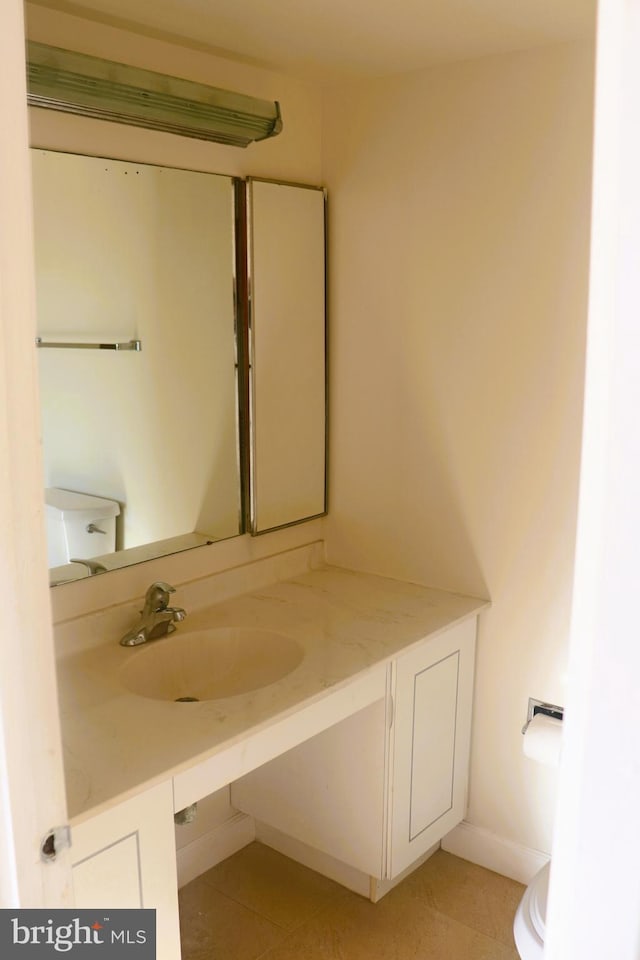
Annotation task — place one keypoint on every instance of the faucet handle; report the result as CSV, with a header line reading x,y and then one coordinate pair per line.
x,y
157,596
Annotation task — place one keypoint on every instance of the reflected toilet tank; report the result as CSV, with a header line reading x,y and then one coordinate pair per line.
x,y
78,525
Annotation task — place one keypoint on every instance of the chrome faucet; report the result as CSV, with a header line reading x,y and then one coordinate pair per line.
x,y
158,618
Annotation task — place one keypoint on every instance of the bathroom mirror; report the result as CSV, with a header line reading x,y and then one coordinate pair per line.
x,y
135,268
286,245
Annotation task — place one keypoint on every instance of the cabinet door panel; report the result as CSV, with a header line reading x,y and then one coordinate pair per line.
x,y
110,877
430,743
433,743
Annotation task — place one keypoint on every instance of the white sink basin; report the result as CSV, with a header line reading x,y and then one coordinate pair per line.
x,y
210,664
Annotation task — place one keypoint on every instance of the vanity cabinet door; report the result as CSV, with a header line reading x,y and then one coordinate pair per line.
x,y
125,857
430,740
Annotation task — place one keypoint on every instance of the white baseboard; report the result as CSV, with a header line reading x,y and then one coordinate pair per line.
x,y
203,853
308,856
493,852
355,880
467,841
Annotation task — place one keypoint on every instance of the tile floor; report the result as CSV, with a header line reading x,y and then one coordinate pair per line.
x,y
261,904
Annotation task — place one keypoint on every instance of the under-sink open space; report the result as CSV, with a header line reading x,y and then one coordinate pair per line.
x,y
260,904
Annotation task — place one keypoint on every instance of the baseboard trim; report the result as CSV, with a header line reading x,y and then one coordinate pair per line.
x,y
493,852
466,841
328,866
206,851
351,878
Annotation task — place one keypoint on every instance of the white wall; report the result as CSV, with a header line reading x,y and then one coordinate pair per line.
x,y
595,882
32,797
459,227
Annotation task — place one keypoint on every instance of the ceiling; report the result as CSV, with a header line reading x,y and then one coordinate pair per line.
x,y
336,39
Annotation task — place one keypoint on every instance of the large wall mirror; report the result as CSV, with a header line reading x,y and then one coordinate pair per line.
x,y
135,280
147,339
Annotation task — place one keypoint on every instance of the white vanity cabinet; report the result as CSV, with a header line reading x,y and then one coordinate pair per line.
x,y
379,789
125,857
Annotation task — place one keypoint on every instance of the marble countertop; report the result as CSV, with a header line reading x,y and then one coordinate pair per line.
x,y
116,743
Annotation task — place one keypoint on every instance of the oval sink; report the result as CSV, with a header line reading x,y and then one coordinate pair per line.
x,y
210,664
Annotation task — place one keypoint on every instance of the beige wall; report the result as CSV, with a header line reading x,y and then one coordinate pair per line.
x,y
459,219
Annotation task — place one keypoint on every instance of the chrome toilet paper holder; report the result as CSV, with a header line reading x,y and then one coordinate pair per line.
x,y
547,709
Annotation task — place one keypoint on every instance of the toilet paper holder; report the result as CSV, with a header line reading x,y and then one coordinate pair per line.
x,y
547,709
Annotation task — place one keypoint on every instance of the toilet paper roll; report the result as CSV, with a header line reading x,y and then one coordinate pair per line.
x,y
543,739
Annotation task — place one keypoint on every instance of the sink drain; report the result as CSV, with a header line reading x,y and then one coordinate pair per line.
x,y
186,700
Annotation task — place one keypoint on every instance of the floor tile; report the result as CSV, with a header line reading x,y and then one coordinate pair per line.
x,y
259,903
399,927
213,927
467,893
272,885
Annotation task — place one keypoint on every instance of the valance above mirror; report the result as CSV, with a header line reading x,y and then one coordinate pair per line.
x,y
87,86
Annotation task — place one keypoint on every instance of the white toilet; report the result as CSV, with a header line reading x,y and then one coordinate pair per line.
x,y
542,742
531,916
79,526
